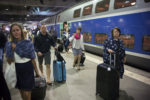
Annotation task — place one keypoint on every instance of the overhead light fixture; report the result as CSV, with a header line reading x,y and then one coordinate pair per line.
x,y
25,6
6,9
28,15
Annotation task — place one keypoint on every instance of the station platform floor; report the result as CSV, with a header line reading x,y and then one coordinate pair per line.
x,y
81,85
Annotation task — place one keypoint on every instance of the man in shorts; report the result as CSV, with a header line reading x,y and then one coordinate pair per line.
x,y
43,43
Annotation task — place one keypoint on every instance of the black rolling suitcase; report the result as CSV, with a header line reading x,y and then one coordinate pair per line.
x,y
39,91
82,59
107,81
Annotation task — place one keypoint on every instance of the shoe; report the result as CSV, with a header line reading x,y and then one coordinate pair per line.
x,y
50,84
81,64
78,68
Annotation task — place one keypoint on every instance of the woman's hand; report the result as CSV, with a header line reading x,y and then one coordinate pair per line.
x,y
110,51
13,45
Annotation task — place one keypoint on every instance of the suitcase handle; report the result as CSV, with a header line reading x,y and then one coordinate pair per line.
x,y
114,59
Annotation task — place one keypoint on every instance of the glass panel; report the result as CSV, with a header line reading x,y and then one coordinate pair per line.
x,y
100,38
147,0
87,37
77,13
128,40
102,6
124,3
146,43
87,10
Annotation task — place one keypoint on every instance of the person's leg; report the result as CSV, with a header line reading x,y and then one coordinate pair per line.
x,y
75,56
79,58
26,95
21,93
47,63
48,72
40,60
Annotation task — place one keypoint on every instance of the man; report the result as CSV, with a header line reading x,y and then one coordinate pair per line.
x,y
43,42
4,31
4,92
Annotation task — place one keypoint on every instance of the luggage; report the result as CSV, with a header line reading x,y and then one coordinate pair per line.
x,y
39,91
82,59
107,81
60,48
59,57
59,70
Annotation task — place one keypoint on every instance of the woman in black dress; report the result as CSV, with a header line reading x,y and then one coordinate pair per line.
x,y
22,52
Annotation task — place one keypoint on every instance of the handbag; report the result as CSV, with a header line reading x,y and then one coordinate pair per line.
x,y
10,75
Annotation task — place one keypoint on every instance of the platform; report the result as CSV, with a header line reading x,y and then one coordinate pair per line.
x,y
81,85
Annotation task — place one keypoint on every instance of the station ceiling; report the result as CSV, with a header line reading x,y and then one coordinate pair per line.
x,y
32,10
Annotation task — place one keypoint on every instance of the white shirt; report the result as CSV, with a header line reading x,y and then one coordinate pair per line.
x,y
18,59
77,43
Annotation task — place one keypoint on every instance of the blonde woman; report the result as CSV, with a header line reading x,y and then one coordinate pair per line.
x,y
22,52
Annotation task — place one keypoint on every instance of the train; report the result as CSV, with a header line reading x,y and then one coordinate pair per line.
x,y
98,17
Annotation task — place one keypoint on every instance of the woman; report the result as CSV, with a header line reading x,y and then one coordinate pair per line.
x,y
77,46
115,45
4,92
22,52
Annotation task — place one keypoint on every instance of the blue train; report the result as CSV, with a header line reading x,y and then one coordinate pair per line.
x,y
98,17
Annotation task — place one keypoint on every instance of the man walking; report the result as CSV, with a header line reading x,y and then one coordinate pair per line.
x,y
43,42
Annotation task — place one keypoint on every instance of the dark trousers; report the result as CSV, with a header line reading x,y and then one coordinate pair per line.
x,y
4,92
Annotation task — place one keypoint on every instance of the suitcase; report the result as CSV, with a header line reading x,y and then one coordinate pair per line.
x,y
39,91
59,71
107,81
82,59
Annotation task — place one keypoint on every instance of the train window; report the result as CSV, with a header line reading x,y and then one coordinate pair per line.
x,y
128,40
87,37
124,3
146,43
100,38
102,6
147,0
87,10
77,13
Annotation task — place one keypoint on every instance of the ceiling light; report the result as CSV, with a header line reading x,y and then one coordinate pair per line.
x,y
6,9
28,15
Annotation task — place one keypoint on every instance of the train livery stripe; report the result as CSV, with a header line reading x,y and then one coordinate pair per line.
x,y
127,52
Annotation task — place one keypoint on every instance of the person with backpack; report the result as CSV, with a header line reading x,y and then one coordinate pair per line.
x,y
43,43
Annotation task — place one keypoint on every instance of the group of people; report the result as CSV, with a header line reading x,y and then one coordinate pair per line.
x,y
22,52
